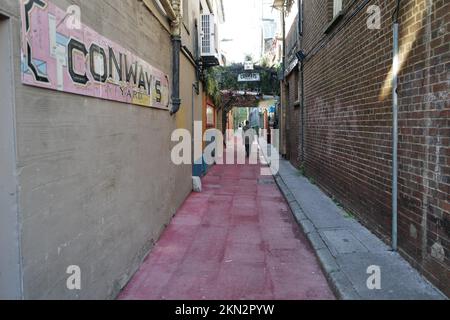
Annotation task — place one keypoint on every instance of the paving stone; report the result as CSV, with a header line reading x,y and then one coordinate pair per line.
x,y
232,245
348,249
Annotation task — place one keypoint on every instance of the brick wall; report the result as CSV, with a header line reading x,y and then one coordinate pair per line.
x,y
293,120
348,121
293,143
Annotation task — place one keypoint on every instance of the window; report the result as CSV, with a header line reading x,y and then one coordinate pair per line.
x,y
300,19
296,89
337,7
209,116
335,14
186,14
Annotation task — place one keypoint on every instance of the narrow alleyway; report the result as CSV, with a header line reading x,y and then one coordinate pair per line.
x,y
235,240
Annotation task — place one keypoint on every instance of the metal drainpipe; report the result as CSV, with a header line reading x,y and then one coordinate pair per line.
x,y
283,102
302,83
395,70
194,88
302,92
176,48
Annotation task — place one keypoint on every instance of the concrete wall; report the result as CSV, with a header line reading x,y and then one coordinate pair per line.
x,y
10,277
190,101
189,40
96,181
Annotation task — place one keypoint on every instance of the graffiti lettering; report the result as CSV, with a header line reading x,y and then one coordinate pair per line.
x,y
75,45
79,60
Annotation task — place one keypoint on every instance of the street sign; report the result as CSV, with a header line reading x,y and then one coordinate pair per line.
x,y
248,65
249,77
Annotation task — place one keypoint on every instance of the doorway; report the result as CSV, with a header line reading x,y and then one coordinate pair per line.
x,y
9,233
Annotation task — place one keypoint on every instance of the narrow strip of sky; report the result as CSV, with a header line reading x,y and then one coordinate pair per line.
x,y
242,29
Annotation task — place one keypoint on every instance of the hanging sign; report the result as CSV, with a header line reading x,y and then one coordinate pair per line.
x,y
248,65
249,77
74,58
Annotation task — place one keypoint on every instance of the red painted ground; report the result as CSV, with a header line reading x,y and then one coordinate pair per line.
x,y
236,240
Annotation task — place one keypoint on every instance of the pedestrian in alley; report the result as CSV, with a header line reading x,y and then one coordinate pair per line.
x,y
247,138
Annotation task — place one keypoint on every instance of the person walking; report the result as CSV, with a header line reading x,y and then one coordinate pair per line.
x,y
247,138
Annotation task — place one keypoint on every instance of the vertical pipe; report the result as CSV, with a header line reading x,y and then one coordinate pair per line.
x,y
395,68
283,21
302,83
283,104
302,92
176,48
193,128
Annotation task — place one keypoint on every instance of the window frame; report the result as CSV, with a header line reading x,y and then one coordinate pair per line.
x,y
186,17
337,7
210,115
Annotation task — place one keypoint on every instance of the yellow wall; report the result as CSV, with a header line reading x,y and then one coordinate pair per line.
x,y
187,78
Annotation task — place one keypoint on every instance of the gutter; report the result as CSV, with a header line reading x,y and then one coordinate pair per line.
x,y
169,10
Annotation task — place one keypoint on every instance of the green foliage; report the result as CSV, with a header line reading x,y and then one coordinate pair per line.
x,y
302,171
347,214
212,85
227,78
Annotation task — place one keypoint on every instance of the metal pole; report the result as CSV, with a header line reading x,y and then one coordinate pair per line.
x,y
395,69
192,128
176,101
283,19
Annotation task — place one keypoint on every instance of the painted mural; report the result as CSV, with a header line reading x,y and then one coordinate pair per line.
x,y
76,59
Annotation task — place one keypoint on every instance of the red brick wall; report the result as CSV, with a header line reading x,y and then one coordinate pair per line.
x,y
293,143
293,120
348,121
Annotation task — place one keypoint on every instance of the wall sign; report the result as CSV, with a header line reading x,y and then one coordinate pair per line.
x,y
249,77
78,60
248,65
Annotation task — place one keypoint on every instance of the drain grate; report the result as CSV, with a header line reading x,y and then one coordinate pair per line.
x,y
266,181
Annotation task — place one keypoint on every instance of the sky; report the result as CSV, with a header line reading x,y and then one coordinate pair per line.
x,y
243,21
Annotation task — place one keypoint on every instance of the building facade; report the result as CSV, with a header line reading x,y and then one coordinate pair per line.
x,y
291,96
88,109
342,133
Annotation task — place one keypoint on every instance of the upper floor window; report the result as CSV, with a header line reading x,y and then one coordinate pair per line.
x,y
186,14
210,118
337,7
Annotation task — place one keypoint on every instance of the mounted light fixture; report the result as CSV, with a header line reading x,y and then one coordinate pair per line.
x,y
300,55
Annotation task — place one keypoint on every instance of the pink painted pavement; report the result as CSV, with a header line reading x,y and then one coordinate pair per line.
x,y
235,240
